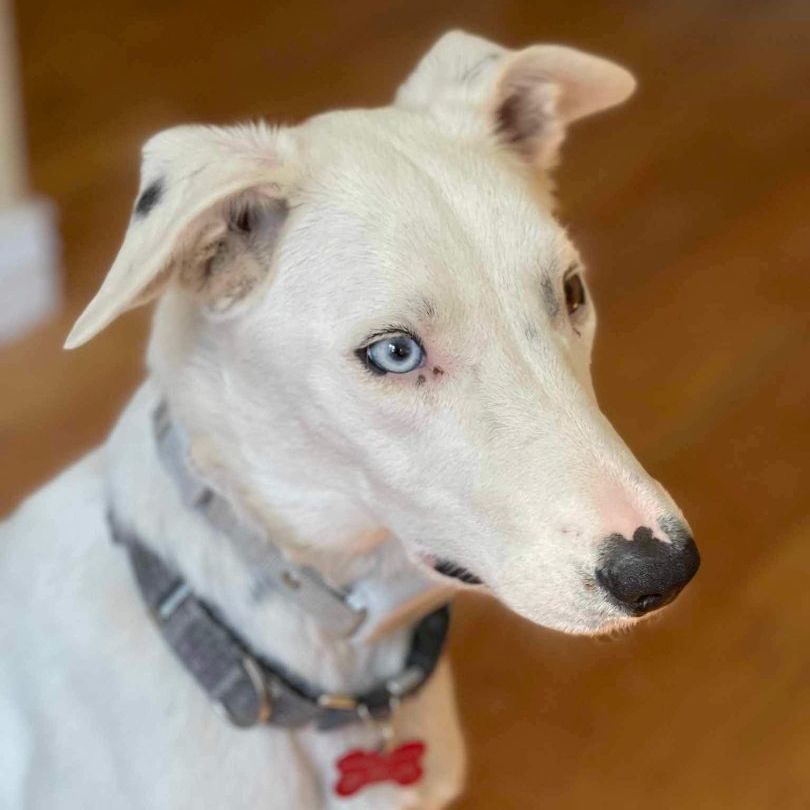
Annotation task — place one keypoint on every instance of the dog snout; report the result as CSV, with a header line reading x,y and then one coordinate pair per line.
x,y
645,573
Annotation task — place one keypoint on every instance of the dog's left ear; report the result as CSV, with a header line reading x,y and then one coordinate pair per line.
x,y
210,206
526,98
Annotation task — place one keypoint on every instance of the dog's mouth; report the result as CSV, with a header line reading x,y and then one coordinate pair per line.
x,y
448,568
452,570
445,567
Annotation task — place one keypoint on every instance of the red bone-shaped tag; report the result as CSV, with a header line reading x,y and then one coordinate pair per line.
x,y
360,768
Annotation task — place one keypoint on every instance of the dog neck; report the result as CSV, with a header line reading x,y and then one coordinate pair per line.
x,y
146,499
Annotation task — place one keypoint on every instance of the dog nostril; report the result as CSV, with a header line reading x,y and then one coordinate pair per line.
x,y
646,573
642,534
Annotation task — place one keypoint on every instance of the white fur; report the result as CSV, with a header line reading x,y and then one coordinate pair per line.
x,y
420,216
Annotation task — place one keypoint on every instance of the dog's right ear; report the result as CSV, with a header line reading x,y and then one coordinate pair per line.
x,y
526,98
210,205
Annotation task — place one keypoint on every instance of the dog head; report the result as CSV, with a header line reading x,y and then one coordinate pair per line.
x,y
372,321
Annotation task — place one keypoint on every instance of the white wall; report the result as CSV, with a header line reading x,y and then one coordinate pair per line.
x,y
12,165
29,274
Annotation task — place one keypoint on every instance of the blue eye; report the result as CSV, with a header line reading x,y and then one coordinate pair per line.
x,y
397,354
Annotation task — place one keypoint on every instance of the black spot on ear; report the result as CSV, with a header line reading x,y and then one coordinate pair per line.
x,y
149,198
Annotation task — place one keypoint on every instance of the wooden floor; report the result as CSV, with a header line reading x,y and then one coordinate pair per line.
x,y
691,205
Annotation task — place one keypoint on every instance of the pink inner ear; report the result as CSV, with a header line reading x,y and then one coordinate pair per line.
x,y
518,121
511,122
526,120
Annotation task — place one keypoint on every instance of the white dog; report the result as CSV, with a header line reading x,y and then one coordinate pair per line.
x,y
368,386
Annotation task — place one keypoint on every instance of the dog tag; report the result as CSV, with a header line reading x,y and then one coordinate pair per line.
x,y
359,768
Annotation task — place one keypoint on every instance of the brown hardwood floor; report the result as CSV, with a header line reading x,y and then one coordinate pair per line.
x,y
690,205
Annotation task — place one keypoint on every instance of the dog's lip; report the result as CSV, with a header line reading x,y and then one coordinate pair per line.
x,y
451,570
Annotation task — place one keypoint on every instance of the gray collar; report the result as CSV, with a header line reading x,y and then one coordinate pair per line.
x,y
249,689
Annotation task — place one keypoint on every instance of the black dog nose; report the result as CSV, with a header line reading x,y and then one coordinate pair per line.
x,y
645,573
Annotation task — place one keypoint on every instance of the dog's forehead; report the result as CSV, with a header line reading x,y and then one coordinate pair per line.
x,y
392,186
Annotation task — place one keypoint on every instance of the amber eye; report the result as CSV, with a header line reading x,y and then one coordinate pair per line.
x,y
574,292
